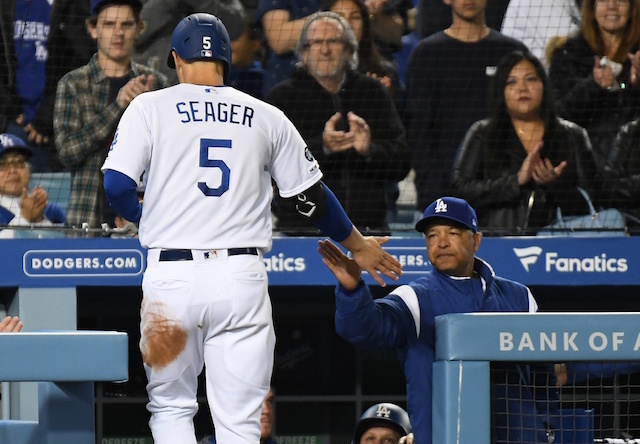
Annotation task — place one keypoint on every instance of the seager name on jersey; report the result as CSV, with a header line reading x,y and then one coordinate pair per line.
x,y
197,111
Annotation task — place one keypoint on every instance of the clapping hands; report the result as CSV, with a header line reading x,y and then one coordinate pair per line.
x,y
541,170
358,137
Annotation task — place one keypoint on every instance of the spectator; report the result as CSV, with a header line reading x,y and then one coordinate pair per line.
x,y
18,206
535,22
434,15
404,320
594,74
162,16
522,162
447,83
267,421
10,325
282,21
70,46
246,72
382,423
389,20
24,31
90,101
369,60
621,188
348,120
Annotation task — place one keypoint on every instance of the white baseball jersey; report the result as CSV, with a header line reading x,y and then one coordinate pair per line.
x,y
209,154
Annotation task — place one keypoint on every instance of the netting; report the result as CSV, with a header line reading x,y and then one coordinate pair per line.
x,y
542,142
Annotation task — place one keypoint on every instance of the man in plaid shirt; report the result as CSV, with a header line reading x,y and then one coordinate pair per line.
x,y
90,101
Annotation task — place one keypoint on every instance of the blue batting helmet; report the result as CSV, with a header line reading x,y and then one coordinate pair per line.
x,y
384,414
201,36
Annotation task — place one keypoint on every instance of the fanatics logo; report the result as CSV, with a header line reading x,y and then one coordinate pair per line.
x,y
441,207
528,256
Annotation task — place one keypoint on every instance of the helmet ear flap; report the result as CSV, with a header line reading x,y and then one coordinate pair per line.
x,y
201,36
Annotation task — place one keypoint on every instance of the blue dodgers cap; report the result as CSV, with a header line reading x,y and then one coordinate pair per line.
x,y
453,208
97,5
9,142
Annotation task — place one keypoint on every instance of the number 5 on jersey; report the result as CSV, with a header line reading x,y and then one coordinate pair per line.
x,y
205,162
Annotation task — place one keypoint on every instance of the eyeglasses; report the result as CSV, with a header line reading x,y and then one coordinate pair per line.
x,y
317,43
15,162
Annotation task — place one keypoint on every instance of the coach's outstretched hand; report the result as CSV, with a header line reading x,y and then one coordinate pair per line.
x,y
369,255
345,269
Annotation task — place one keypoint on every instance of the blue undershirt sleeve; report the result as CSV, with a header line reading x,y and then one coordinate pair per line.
x,y
334,223
121,193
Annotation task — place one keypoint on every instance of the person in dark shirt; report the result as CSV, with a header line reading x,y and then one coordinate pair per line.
x,y
447,86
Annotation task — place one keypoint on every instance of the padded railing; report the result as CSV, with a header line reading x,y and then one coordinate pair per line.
x,y
66,364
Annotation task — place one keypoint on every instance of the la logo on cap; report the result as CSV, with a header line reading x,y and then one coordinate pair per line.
x,y
441,206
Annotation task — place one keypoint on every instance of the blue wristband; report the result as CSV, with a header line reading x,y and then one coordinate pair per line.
x,y
335,223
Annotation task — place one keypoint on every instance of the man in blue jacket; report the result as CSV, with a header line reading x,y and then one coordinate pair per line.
x,y
405,319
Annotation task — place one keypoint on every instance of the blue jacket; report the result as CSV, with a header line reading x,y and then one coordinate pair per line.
x,y
405,320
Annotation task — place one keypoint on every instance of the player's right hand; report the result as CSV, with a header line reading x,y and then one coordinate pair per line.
x,y
368,253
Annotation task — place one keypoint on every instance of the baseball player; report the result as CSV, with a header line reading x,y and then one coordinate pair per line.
x,y
383,423
209,153
405,319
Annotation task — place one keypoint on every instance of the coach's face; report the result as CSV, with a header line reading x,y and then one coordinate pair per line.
x,y
325,54
451,248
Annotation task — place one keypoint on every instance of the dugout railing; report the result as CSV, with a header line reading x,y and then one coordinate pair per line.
x,y
468,344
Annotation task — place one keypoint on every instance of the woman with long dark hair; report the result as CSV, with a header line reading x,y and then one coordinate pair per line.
x,y
595,72
523,161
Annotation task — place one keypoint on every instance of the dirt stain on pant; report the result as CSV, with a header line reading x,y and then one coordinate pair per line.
x,y
163,339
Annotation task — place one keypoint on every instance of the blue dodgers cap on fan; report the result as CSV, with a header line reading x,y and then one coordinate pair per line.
x,y
453,208
97,5
9,143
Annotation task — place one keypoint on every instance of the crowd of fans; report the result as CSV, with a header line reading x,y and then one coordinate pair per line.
x,y
511,105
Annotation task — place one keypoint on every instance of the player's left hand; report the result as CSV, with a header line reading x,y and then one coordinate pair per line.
x,y
345,269
361,133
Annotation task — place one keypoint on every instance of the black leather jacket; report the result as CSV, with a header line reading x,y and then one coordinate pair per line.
x,y
485,174
622,172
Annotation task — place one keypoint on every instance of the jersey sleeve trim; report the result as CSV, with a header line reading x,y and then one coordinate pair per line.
x,y
533,305
410,298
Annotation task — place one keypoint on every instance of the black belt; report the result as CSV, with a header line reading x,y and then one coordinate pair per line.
x,y
186,255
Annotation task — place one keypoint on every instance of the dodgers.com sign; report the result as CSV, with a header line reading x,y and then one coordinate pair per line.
x,y
96,263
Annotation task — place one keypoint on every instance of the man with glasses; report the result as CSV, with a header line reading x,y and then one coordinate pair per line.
x,y
18,206
349,121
